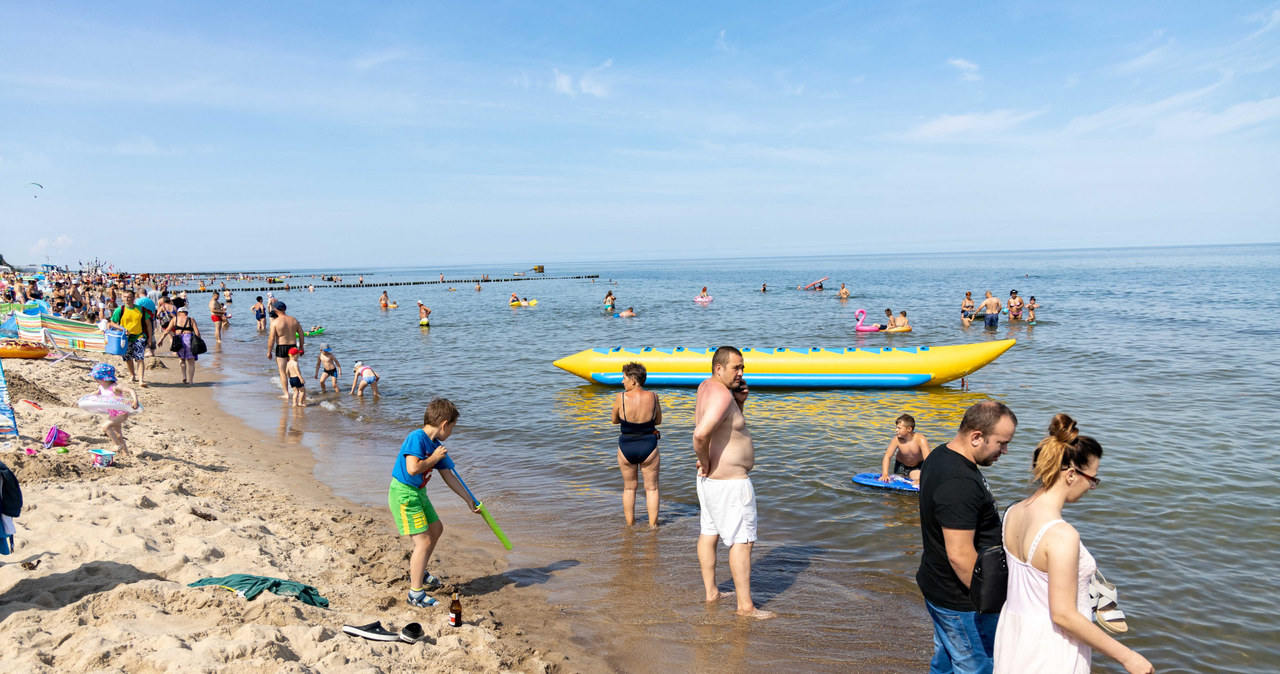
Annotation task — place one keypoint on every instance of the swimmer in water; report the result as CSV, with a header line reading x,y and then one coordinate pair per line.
x,y
1015,305
764,287
383,300
424,314
1031,309
966,309
629,313
908,450
704,292
844,292
514,299
609,301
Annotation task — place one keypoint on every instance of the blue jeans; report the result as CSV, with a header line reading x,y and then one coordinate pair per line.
x,y
964,642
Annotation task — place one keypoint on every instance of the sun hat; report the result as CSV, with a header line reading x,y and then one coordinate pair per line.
x,y
359,363
419,301
103,372
325,347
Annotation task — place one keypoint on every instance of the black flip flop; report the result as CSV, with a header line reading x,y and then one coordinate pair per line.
x,y
373,631
412,633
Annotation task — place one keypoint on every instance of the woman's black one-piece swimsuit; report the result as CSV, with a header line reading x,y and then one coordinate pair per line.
x,y
637,441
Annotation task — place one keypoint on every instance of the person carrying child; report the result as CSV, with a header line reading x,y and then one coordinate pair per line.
x,y
412,511
113,427
332,368
910,448
297,387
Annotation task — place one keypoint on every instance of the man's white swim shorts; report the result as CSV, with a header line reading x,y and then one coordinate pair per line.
x,y
728,509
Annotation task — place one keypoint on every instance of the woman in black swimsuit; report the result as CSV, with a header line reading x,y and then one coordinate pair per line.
x,y
638,442
184,330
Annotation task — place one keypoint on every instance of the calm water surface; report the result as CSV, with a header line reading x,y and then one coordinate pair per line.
x,y
1167,356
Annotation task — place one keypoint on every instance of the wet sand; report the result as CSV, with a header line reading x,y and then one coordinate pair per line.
x,y
200,494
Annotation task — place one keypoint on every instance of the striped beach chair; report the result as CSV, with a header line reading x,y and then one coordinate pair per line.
x,y
63,335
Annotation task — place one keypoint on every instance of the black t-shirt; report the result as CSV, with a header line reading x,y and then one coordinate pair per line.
x,y
953,494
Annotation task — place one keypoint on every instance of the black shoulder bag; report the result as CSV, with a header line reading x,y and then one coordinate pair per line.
x,y
990,583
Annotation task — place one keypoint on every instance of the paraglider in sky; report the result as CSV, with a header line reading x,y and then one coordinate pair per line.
x,y
35,196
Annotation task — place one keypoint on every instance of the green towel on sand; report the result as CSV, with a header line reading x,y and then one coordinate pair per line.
x,y
252,586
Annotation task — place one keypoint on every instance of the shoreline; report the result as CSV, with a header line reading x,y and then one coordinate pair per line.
x,y
118,546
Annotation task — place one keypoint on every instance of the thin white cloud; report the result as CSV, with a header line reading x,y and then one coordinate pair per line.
x,y
722,44
1147,59
141,146
562,84
1138,114
1071,82
970,126
46,246
592,84
968,69
1239,116
1268,22
378,58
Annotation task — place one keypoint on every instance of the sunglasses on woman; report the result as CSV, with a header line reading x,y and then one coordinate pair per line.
x,y
1094,481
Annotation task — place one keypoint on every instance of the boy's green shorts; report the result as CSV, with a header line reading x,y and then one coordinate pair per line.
x,y
410,508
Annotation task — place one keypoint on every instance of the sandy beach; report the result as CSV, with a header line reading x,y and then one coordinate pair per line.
x,y
198,494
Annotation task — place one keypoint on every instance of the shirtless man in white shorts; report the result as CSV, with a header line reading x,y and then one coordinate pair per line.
x,y
725,457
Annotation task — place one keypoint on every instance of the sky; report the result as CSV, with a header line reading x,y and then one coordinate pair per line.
x,y
234,135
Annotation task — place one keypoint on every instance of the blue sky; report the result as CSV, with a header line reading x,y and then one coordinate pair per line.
x,y
251,135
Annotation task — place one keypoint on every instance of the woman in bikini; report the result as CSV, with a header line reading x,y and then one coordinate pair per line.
x,y
638,413
1015,305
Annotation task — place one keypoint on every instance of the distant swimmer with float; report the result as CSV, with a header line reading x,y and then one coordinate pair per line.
x,y
703,297
629,312
890,325
424,315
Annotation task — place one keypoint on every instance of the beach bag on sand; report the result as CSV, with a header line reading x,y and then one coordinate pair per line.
x,y
197,345
56,438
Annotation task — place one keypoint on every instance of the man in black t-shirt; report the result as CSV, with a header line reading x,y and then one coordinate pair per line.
x,y
957,519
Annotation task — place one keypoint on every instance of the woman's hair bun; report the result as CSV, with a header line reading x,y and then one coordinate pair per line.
x,y
1063,429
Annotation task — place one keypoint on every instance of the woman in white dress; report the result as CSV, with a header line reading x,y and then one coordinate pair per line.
x,y
1046,624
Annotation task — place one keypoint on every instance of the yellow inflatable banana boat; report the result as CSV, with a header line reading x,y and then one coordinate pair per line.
x,y
795,368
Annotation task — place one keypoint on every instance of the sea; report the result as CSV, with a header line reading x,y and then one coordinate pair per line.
x,y
1168,356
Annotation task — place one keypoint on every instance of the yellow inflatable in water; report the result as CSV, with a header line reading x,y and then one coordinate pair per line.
x,y
797,368
530,303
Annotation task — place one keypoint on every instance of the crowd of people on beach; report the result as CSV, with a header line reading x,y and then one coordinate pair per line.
x,y
1054,610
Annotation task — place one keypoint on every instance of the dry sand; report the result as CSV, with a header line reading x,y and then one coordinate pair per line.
x,y
199,494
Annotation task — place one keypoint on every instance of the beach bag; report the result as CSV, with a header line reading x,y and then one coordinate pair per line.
x,y
197,345
175,345
10,493
990,584
56,438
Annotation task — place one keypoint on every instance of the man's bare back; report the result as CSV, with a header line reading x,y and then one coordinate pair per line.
x,y
285,330
991,305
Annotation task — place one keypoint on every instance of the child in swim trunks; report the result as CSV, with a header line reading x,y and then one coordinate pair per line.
x,y
908,449
332,368
412,511
297,386
113,427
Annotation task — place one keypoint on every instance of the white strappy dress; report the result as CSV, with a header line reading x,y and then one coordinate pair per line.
x,y
1026,638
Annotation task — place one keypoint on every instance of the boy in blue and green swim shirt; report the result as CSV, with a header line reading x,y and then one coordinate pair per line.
x,y
407,497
